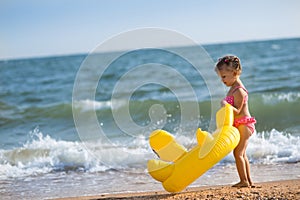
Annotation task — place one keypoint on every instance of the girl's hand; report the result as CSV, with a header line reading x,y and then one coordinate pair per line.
x,y
223,103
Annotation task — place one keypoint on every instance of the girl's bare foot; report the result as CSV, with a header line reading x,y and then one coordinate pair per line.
x,y
241,184
251,185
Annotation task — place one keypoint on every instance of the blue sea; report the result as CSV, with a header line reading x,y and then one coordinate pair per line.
x,y
79,124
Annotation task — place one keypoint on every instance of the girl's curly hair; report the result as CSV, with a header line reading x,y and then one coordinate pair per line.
x,y
230,62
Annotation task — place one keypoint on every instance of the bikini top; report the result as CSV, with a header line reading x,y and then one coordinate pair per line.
x,y
230,99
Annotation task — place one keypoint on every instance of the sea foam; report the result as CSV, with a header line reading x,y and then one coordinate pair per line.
x,y
43,154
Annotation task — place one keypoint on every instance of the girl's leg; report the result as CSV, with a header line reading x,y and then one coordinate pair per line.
x,y
248,169
250,131
239,152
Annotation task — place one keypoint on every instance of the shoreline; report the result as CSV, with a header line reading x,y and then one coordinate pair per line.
x,y
284,189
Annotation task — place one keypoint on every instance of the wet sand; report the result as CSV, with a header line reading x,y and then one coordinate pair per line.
x,y
287,189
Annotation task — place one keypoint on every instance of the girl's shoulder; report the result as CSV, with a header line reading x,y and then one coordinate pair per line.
x,y
239,88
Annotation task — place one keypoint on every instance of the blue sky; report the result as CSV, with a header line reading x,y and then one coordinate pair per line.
x,y
32,28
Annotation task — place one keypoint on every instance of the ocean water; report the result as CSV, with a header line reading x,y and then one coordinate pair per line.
x,y
50,145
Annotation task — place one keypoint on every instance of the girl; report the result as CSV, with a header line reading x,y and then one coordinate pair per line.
x,y
229,69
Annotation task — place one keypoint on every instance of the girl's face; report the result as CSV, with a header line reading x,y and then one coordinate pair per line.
x,y
227,77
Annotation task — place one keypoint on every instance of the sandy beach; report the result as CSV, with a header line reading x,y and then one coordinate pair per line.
x,y
286,189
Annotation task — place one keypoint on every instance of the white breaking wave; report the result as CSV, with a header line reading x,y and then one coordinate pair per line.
x,y
44,154
274,146
274,98
87,105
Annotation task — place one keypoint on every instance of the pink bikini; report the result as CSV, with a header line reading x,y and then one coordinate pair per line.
x,y
245,120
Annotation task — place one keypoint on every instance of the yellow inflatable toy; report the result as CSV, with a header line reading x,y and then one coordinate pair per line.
x,y
177,167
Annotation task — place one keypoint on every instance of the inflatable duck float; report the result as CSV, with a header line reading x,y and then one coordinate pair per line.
x,y
177,167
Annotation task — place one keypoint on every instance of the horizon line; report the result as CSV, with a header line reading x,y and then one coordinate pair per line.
x,y
5,59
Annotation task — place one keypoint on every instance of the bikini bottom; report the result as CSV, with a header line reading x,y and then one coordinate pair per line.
x,y
247,121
